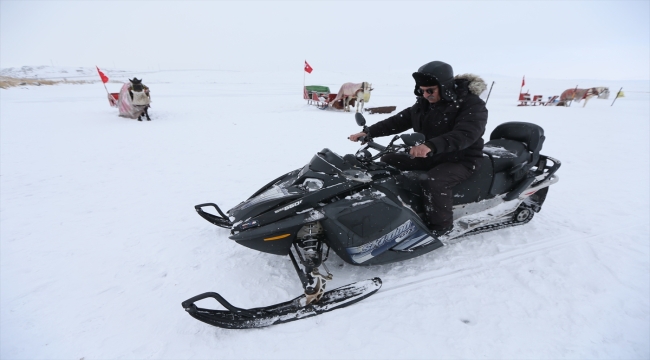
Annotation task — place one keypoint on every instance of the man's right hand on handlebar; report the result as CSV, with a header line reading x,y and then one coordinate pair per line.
x,y
420,151
355,137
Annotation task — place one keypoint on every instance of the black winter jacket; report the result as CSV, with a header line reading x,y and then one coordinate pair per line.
x,y
453,130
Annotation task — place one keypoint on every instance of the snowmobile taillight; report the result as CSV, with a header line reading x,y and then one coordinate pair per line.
x,y
312,184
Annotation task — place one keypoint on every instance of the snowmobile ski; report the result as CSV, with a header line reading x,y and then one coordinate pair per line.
x,y
237,318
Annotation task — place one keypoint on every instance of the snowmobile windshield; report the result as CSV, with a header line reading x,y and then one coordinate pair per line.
x,y
274,192
327,162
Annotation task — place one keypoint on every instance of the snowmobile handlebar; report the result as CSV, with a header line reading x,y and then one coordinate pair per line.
x,y
410,140
367,140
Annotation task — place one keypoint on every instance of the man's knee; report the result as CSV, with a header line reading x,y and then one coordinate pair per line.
x,y
439,184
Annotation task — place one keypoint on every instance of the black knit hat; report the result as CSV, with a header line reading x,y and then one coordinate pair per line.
x,y
436,73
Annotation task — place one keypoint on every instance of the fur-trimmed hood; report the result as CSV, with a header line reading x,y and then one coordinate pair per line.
x,y
469,82
464,85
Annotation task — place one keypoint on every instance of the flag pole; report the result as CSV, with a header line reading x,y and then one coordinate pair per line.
x,y
489,92
304,88
617,94
109,94
303,76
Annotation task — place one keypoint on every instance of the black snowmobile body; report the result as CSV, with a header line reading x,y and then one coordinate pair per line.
x,y
371,213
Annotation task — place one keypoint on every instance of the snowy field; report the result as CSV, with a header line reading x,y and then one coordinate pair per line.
x,y
100,242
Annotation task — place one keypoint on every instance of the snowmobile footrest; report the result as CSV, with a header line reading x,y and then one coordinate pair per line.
x,y
296,309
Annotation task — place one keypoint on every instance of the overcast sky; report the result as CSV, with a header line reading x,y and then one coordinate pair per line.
x,y
563,39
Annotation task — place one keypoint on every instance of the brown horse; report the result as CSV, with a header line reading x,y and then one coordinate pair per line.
x,y
350,92
580,94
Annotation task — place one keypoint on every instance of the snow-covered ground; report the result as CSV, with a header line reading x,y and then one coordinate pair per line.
x,y
100,242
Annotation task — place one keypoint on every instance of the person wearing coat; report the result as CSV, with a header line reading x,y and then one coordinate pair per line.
x,y
449,112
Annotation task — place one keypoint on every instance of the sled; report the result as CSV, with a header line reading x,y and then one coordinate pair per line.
x,y
551,101
537,100
381,109
318,95
122,101
112,99
526,100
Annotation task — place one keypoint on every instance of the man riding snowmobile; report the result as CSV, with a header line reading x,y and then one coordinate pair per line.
x,y
449,112
372,212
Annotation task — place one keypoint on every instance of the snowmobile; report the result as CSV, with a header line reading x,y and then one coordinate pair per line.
x,y
371,213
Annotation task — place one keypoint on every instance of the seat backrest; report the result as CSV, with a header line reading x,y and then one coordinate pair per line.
x,y
530,134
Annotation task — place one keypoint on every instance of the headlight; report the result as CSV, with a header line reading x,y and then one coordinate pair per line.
x,y
311,184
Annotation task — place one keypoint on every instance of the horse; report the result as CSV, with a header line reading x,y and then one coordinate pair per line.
x,y
140,98
350,92
586,94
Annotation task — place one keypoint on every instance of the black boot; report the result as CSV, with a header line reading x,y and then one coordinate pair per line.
x,y
442,232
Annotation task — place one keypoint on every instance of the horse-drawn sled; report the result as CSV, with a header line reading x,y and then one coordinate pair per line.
x,y
350,94
133,100
577,95
566,98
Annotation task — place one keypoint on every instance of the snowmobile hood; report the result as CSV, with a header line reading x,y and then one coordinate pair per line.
x,y
325,170
267,200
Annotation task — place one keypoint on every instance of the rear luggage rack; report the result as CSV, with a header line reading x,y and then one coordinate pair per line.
x,y
543,173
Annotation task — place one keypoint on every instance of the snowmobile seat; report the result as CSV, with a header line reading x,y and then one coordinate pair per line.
x,y
473,189
531,135
506,154
522,140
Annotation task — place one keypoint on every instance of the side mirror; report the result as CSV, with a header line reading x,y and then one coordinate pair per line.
x,y
361,121
413,139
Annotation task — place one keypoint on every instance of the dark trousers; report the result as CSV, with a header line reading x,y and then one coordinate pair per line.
x,y
441,177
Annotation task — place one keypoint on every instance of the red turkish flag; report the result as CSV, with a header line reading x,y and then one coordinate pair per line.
x,y
101,75
523,81
308,68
